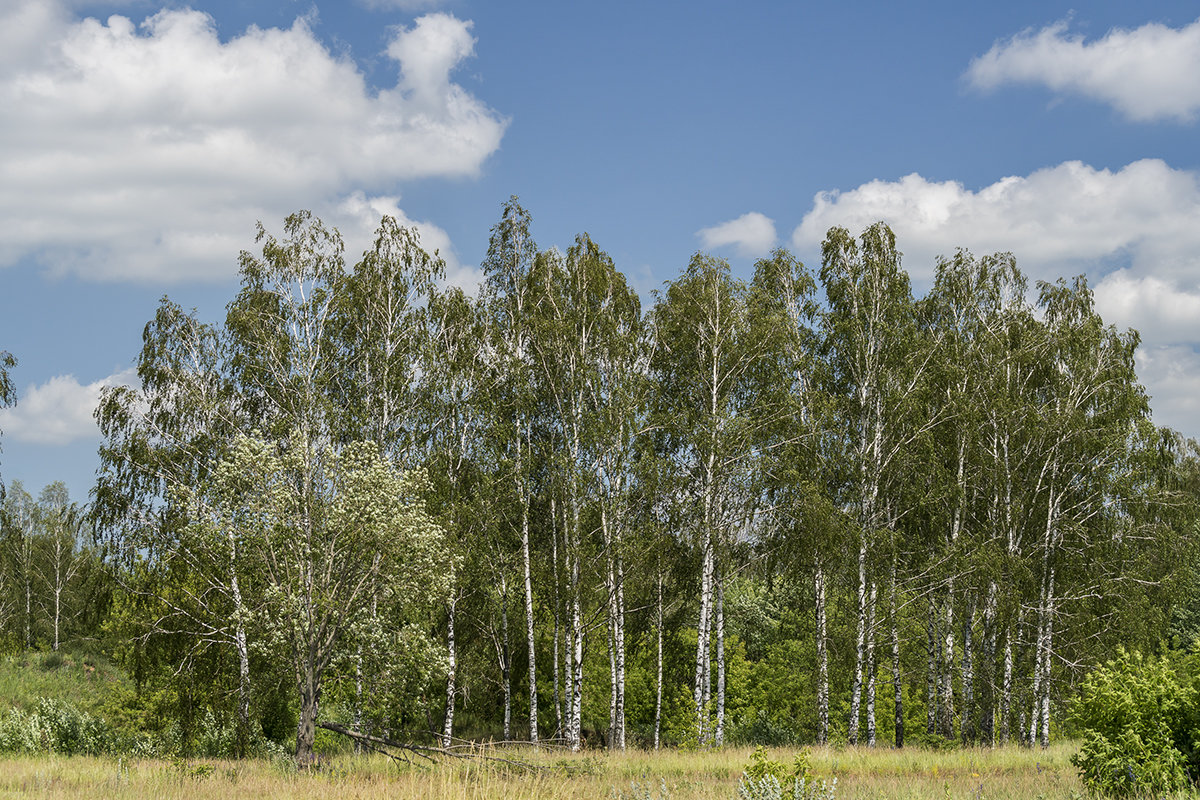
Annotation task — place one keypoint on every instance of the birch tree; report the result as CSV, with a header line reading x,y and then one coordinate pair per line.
x,y
20,527
875,366
61,524
701,366
507,308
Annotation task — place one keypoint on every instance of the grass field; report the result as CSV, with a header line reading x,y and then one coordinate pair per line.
x,y
978,774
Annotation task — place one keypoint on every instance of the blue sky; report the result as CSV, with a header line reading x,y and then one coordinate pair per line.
x,y
140,142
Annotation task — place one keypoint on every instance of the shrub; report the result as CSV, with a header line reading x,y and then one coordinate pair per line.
x,y
767,779
53,727
1138,719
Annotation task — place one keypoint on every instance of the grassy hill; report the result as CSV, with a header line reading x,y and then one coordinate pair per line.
x,y
79,676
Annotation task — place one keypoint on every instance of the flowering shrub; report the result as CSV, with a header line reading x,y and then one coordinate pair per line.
x,y
1139,721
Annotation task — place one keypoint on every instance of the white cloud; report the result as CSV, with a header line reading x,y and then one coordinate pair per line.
x,y
1172,376
1162,312
399,5
357,217
752,234
1133,231
1149,73
148,151
1060,220
59,411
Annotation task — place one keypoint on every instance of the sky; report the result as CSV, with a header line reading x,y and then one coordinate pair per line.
x,y
141,142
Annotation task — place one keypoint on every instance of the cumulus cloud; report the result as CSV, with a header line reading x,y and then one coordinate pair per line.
x,y
1172,376
1163,312
1133,231
59,411
147,151
752,235
1071,217
1148,73
357,218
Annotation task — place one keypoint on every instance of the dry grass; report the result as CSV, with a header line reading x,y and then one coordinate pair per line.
x,y
979,774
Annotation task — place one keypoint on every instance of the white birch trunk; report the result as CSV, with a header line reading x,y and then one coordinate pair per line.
x,y
897,684
701,689
658,687
822,655
946,710
620,645
967,725
558,710
871,669
533,693
451,672
859,641
1046,661
719,735
931,679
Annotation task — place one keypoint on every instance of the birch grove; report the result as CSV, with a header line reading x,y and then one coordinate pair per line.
x,y
807,506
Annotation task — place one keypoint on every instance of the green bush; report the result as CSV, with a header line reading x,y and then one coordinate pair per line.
x,y
1138,717
53,727
765,779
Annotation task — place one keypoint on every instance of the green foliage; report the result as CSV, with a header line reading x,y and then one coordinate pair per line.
x,y
53,727
1139,718
767,779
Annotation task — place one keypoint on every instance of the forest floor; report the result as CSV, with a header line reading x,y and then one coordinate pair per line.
x,y
978,774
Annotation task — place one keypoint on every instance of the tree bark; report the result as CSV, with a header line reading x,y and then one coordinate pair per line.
x,y
558,627
897,685
719,735
306,728
987,722
822,654
967,725
620,643
451,672
946,703
658,682
931,674
871,669
533,693
859,641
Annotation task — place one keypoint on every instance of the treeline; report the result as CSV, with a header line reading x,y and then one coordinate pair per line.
x,y
803,507
53,585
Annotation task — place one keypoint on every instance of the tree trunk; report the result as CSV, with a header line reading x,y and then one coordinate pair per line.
x,y
946,710
822,654
967,726
609,585
306,728
1006,688
987,722
719,736
859,641
871,669
702,688
1035,715
1046,661
658,687
28,611
243,651
533,693
897,685
931,674
620,644
558,711
451,673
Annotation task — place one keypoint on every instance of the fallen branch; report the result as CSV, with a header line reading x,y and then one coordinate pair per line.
x,y
377,743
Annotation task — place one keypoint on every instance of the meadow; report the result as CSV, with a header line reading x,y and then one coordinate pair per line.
x,y
976,773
